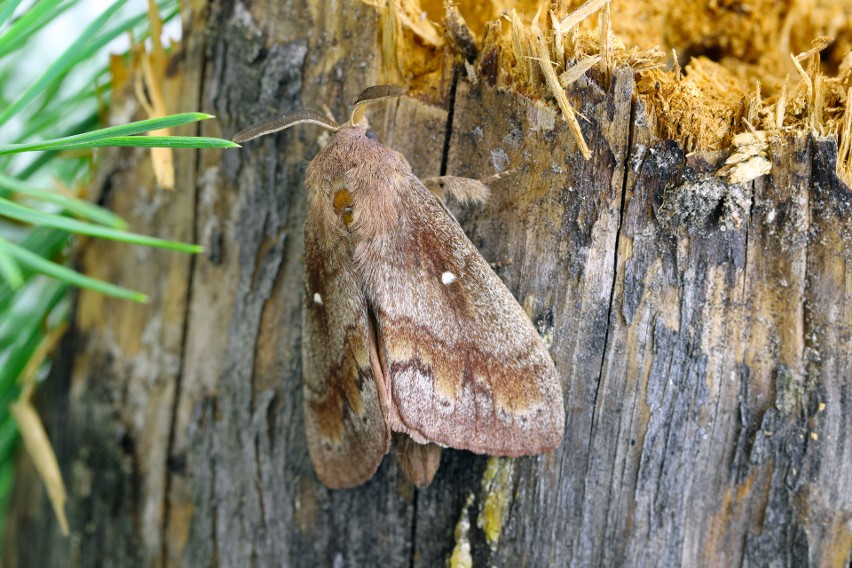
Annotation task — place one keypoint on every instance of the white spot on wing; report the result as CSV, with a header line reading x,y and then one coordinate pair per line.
x,y
448,277
317,298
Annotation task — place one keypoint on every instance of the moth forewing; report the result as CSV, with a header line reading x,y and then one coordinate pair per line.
x,y
464,366
346,428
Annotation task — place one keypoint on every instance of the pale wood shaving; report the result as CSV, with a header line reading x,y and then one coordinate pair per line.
x,y
818,104
749,170
805,77
578,70
818,44
605,41
781,105
558,92
411,16
750,160
523,49
558,47
844,154
470,71
574,18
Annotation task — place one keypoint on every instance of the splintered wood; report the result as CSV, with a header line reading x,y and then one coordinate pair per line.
x,y
557,90
532,43
781,67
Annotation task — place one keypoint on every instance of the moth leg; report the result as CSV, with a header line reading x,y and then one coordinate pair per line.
x,y
419,462
466,190
378,366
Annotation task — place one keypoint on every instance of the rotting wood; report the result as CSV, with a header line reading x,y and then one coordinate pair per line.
x,y
702,329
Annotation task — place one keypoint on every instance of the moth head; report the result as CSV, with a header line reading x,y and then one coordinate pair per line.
x,y
331,178
277,124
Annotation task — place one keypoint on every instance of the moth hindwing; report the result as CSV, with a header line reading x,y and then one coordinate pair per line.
x,y
406,327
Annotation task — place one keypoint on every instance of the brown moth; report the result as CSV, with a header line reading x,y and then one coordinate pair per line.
x,y
407,330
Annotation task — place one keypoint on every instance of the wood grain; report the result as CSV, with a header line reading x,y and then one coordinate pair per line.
x,y
702,333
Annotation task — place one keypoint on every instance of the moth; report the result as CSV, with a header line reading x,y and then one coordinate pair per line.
x,y
407,332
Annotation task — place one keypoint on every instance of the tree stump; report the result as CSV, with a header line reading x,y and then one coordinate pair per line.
x,y
702,331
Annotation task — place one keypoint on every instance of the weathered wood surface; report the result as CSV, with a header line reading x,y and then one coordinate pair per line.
x,y
703,334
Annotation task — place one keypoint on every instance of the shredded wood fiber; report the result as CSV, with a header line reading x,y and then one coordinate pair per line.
x,y
707,71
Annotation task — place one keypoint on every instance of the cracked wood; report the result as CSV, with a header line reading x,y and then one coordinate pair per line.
x,y
705,370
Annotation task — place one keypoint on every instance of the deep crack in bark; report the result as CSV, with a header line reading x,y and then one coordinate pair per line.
x,y
176,396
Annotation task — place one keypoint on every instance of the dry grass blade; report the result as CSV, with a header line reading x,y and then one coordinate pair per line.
x,y
41,452
32,431
151,97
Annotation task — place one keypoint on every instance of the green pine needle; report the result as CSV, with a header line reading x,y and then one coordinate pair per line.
x,y
60,67
23,214
65,274
87,139
9,268
8,8
156,142
77,207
